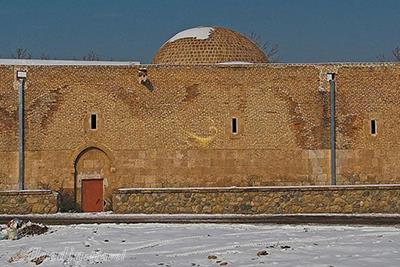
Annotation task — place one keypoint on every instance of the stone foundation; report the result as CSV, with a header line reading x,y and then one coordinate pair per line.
x,y
28,201
260,200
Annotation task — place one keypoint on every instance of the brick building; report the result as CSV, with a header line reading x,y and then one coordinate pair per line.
x,y
208,112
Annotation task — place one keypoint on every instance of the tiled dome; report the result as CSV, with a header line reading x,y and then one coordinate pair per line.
x,y
204,45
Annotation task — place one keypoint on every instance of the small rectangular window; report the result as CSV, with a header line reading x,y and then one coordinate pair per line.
x,y
93,121
373,127
234,126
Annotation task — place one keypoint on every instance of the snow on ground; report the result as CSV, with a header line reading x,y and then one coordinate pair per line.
x,y
205,245
201,33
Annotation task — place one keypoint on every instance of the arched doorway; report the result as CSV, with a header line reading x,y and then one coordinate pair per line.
x,y
92,171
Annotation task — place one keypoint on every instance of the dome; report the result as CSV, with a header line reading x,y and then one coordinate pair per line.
x,y
204,45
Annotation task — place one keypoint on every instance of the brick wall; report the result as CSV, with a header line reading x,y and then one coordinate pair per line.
x,y
178,135
260,200
28,201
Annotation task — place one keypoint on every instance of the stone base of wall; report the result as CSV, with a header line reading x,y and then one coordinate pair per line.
x,y
28,201
260,200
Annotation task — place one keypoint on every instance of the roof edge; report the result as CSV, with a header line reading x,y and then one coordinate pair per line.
x,y
285,64
42,62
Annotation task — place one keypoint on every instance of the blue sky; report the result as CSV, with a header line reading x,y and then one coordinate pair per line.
x,y
306,30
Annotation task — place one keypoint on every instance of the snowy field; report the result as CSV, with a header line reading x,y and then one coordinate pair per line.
x,y
205,245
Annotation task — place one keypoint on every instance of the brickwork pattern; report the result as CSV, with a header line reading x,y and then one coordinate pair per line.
x,y
267,200
179,135
223,45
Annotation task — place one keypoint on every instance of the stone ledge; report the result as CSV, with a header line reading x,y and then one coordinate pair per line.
x,y
301,218
25,192
257,189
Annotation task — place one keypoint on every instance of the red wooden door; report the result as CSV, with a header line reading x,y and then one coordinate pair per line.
x,y
92,195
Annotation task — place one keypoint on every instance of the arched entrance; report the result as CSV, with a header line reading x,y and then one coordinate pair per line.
x,y
92,171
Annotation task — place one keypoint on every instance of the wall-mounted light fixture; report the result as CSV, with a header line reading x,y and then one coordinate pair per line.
x,y
143,78
21,74
330,76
